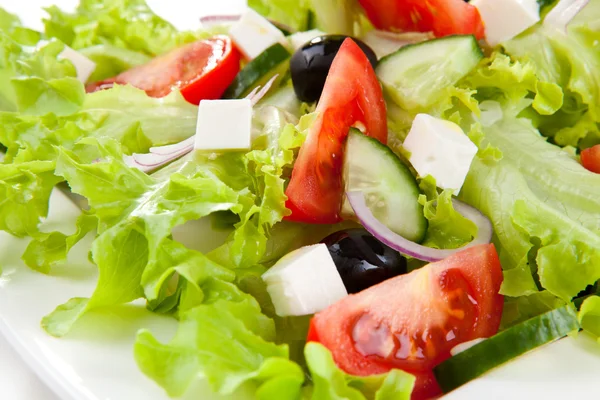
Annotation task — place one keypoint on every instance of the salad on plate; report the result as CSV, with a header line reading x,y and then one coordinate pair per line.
x,y
410,192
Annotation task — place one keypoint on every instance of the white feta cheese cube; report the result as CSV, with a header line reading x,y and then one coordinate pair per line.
x,y
505,19
299,39
304,282
441,149
83,65
224,125
253,34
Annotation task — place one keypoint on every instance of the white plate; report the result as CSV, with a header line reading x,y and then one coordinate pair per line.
x,y
95,361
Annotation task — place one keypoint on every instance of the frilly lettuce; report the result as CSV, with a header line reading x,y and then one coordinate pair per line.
x,y
447,228
545,226
34,80
570,61
293,13
128,24
589,316
122,113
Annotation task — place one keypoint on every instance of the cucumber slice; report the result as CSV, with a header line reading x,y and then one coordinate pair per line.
x,y
274,60
414,75
505,346
391,190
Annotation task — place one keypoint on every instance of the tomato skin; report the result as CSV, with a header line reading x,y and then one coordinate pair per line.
x,y
201,70
411,322
590,159
351,94
442,17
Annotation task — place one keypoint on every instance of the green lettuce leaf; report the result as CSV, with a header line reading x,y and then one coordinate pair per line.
x,y
127,24
25,189
227,341
447,228
8,21
513,84
570,61
123,113
27,174
293,13
48,249
589,316
35,80
548,232
330,383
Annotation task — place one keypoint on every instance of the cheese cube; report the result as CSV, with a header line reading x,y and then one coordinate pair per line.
x,y
253,34
304,282
441,149
505,19
224,125
299,39
83,65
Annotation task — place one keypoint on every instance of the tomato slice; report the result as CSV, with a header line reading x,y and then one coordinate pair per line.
x,y
351,96
590,158
442,17
202,70
411,322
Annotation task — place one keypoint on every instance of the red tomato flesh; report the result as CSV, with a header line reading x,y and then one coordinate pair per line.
x,y
590,158
442,17
351,95
411,322
201,70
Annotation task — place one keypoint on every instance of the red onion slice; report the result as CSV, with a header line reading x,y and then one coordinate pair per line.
x,y
257,93
160,156
209,21
410,248
173,148
563,13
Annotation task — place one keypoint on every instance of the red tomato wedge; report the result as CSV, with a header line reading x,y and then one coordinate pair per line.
x,y
201,70
351,95
590,158
442,17
411,322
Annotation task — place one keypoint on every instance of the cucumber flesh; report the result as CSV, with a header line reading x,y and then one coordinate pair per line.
x,y
274,60
391,190
504,346
414,75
